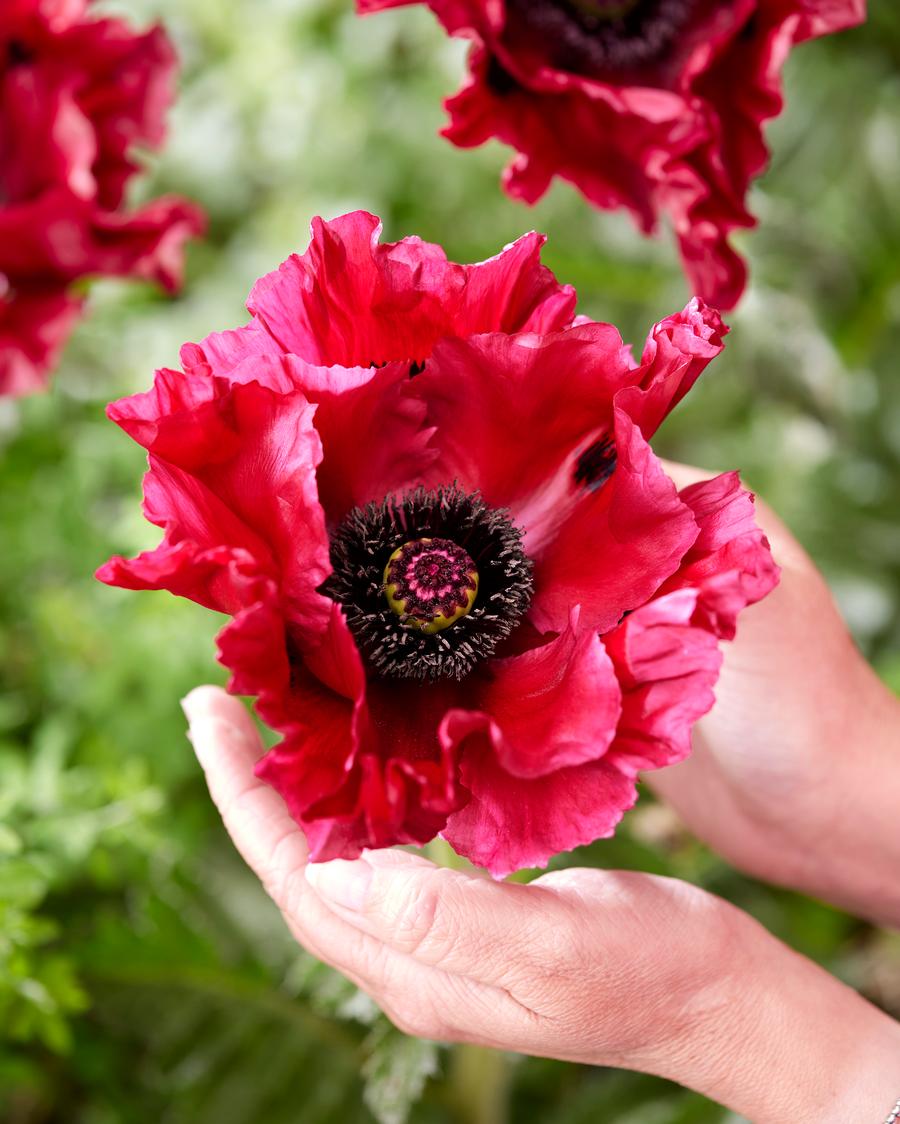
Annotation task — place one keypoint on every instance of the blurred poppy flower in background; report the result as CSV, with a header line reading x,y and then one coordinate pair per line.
x,y
463,587
77,94
653,105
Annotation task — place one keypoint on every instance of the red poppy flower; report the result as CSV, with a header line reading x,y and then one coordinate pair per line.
x,y
652,105
463,587
76,95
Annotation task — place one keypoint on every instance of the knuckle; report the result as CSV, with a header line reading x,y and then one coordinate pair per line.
x,y
561,950
421,922
559,972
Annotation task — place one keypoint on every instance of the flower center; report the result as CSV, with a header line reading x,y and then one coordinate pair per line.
x,y
601,36
430,582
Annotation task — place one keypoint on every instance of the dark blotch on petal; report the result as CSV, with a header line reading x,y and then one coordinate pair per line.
x,y
596,464
499,79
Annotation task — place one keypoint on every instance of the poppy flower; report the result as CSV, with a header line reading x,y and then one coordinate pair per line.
x,y
462,585
77,94
652,105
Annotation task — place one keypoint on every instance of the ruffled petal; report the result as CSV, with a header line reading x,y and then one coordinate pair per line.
x,y
223,578
740,84
147,243
676,353
238,470
560,133
319,723
532,754
509,411
357,767
398,784
512,822
64,238
681,134
513,292
458,16
619,543
126,89
667,668
373,431
35,323
222,353
730,565
375,435
354,301
551,707
75,103
666,653
824,17
47,140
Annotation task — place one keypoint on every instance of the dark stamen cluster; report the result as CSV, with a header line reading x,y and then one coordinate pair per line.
x,y
365,541
602,37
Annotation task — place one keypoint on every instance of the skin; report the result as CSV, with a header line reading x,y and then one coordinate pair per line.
x,y
795,778
795,774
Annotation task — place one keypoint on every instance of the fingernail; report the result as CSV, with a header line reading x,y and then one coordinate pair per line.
x,y
341,882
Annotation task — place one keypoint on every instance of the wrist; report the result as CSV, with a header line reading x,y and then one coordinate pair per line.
x,y
786,1043
849,852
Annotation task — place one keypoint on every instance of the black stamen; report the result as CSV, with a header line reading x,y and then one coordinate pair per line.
x,y
600,37
365,541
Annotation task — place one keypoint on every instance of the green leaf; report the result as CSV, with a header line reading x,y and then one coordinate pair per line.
x,y
395,1072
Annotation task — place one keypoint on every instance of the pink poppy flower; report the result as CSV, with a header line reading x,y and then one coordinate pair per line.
x,y
77,94
652,105
462,585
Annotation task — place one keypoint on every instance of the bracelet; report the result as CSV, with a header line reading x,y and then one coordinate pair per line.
x,y
894,1114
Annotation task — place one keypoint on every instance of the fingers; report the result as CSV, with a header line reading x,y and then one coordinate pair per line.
x,y
419,999
495,933
228,745
447,955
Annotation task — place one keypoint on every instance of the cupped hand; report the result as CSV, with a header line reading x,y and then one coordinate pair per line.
x,y
450,955
602,967
795,774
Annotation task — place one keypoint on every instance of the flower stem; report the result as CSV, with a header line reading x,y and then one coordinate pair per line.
x,y
479,1081
479,1078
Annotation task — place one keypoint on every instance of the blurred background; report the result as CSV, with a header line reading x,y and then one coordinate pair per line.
x,y
144,977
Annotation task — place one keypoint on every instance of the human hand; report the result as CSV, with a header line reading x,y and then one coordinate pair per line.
x,y
608,968
795,774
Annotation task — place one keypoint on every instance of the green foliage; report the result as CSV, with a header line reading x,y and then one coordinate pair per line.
x,y
144,976
396,1071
